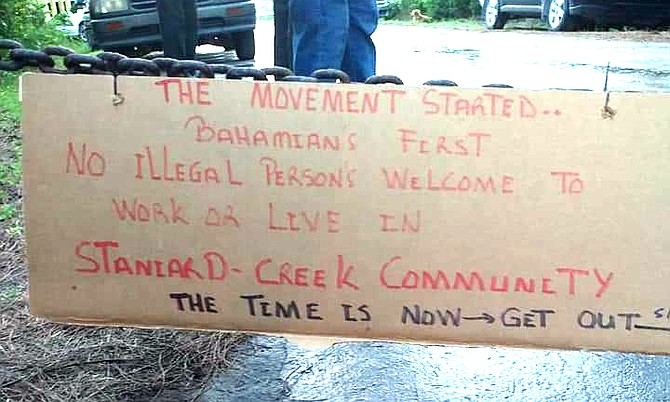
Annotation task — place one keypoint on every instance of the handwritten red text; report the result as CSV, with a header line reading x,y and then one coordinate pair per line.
x,y
106,257
186,92
324,99
86,163
406,179
394,275
471,144
488,104
570,182
138,211
302,221
159,166
294,176
245,137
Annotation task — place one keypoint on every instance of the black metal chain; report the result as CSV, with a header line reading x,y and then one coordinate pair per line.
x,y
17,57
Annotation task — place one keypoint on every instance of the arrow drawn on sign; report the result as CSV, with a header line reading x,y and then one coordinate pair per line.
x,y
488,318
652,328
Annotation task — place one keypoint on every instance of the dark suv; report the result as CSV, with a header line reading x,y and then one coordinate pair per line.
x,y
131,26
565,15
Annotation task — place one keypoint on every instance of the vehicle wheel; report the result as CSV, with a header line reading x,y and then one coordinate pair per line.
x,y
245,45
558,17
82,32
493,18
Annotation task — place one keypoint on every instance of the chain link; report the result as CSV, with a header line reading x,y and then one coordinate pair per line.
x,y
441,83
237,73
278,72
331,75
190,68
55,51
111,60
10,65
141,67
299,78
384,79
108,63
85,64
164,63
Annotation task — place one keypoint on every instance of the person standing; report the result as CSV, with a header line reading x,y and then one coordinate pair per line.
x,y
334,34
179,28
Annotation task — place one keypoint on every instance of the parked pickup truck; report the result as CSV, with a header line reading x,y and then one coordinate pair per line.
x,y
131,26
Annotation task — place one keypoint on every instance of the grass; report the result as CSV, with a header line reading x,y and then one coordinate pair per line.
x,y
11,152
9,98
11,168
474,24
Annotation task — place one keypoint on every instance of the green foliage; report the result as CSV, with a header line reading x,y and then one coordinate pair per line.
x,y
9,100
61,19
10,294
11,173
448,9
26,22
436,9
20,15
399,9
7,211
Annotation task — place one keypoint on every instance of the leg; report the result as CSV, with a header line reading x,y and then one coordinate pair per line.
x,y
190,29
283,46
169,17
360,55
319,34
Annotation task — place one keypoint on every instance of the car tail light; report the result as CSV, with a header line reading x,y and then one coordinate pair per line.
x,y
114,26
235,11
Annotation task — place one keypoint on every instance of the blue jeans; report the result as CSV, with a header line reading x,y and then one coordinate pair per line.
x,y
334,34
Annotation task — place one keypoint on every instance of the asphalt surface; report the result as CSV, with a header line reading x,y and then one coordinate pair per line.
x,y
523,59
529,60
274,369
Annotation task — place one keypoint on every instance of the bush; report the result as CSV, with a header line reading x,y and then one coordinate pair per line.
x,y
436,9
25,21
449,9
399,9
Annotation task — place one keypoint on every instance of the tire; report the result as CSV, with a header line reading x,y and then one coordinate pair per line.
x,y
493,18
558,16
245,45
82,32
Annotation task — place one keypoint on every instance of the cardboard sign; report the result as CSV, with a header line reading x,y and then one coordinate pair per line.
x,y
432,214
